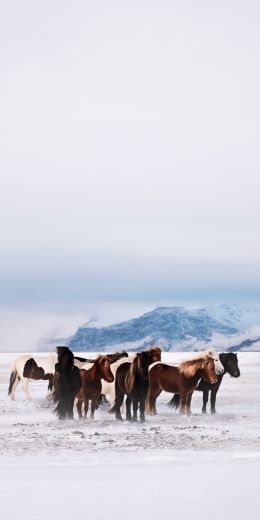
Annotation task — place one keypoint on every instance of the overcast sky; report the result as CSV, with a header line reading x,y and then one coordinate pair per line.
x,y
129,159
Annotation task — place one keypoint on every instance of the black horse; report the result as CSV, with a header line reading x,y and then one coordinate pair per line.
x,y
230,363
67,383
132,380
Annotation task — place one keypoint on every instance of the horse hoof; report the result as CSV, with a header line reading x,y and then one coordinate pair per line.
x,y
213,412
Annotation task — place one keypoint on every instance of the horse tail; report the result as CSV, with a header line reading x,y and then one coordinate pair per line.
x,y
13,376
175,401
62,405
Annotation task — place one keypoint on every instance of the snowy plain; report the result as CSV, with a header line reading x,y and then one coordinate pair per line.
x,y
171,466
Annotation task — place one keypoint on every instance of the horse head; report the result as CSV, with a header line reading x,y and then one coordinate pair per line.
x,y
215,356
209,370
230,363
154,355
116,356
103,363
65,358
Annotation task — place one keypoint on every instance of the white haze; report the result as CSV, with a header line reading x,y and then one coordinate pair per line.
x,y
129,156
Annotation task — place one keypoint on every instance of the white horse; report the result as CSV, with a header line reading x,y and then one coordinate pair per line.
x,y
47,363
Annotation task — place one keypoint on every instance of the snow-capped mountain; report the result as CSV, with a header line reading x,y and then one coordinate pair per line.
x,y
226,327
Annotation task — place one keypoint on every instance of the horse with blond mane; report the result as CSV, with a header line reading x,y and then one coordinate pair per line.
x,y
182,379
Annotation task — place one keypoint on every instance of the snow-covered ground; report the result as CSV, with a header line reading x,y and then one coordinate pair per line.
x,y
200,467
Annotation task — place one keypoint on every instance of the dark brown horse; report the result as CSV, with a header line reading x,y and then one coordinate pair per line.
x,y
67,382
91,384
181,379
230,363
132,380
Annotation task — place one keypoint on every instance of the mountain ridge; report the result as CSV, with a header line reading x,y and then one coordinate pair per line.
x,y
176,328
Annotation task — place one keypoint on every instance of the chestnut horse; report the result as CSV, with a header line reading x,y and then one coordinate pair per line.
x,y
182,379
230,363
91,384
132,380
67,382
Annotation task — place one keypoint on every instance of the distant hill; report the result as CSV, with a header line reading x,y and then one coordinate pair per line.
x,y
226,327
167,326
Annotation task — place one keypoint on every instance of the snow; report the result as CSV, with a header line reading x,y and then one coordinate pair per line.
x,y
202,466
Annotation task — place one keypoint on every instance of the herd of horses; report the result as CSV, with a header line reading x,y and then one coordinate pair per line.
x,y
141,377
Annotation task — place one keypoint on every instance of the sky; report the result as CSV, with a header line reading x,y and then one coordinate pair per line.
x,y
129,160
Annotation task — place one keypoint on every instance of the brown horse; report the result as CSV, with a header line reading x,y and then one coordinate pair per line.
x,y
182,379
132,380
230,364
91,384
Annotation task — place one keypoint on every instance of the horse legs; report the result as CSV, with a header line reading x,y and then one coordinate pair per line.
x,y
17,380
119,398
25,382
142,408
135,408
94,405
128,408
205,400
183,404
213,396
79,407
86,402
150,403
188,401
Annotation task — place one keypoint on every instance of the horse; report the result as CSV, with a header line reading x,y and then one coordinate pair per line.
x,y
67,383
230,363
182,379
132,380
27,367
91,384
115,360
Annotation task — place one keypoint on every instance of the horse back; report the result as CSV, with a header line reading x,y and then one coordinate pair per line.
x,y
167,377
121,376
33,371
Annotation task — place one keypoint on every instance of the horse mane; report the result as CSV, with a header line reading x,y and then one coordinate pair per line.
x,y
65,358
210,352
189,368
154,350
133,369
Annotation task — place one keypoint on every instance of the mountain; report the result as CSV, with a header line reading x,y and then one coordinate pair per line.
x,y
169,327
226,327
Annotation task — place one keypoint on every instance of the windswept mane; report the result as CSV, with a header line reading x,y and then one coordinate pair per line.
x,y
190,367
210,352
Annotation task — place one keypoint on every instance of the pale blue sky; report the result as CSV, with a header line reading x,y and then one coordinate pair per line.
x,y
129,159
